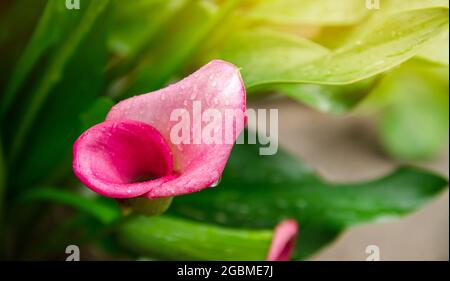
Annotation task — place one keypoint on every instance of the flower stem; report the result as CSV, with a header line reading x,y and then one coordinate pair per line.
x,y
145,206
173,238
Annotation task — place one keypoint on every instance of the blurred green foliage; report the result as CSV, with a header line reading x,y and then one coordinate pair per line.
x,y
279,187
61,70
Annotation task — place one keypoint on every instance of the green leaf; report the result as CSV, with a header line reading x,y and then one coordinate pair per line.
x,y
329,98
173,238
437,50
311,12
413,122
163,236
54,25
57,69
386,41
127,36
69,83
165,53
128,41
260,51
336,36
96,113
17,22
193,25
259,191
105,211
394,6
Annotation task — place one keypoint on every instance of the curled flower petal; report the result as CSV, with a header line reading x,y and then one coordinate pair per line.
x,y
214,95
108,158
283,241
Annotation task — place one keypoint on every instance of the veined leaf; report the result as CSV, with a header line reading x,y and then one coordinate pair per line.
x,y
256,191
262,51
334,36
328,98
167,237
386,42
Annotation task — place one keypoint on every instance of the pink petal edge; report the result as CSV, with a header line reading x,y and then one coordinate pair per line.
x,y
283,241
217,85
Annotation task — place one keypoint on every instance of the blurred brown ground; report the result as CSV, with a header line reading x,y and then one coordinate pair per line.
x,y
345,148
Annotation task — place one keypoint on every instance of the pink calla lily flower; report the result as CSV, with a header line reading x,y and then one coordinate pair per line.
x,y
132,153
283,241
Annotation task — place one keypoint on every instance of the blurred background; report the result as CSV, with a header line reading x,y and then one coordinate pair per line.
x,y
361,88
325,142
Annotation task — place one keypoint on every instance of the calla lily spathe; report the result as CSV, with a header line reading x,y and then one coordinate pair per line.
x,y
131,153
